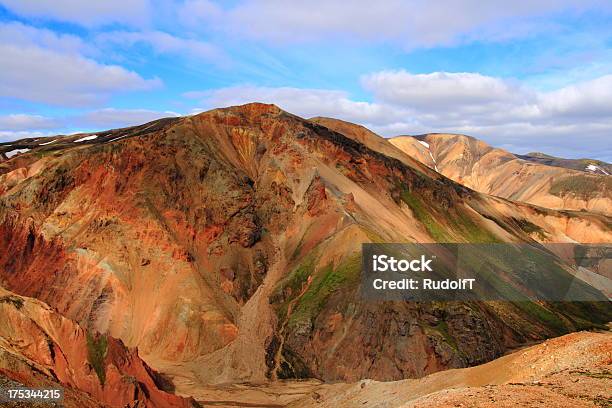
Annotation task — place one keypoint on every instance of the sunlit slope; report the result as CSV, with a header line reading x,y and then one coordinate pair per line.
x,y
494,171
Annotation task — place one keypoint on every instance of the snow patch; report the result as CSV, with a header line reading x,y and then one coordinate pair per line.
x,y
12,153
117,138
434,160
595,168
85,138
46,143
430,155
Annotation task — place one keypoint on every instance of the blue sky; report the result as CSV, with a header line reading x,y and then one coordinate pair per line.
x,y
523,75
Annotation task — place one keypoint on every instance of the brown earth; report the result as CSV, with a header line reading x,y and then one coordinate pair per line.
x,y
225,247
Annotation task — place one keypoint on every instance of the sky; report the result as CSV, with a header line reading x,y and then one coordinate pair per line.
x,y
521,75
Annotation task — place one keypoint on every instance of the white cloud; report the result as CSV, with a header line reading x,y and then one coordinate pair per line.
x,y
20,126
194,12
113,118
86,13
40,66
412,23
461,98
9,135
303,102
586,99
16,122
437,89
18,34
164,43
573,120
40,75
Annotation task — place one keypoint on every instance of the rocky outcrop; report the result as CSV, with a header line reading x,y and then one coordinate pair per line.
x,y
36,342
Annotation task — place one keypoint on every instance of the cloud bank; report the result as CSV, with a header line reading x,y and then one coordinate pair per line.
x,y
503,112
41,66
86,13
414,23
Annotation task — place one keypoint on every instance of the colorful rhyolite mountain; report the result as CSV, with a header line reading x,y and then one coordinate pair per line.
x,y
542,180
225,247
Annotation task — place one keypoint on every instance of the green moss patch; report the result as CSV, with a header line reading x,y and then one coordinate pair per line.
x,y
419,210
324,284
96,352
585,315
543,315
580,186
442,328
292,285
459,222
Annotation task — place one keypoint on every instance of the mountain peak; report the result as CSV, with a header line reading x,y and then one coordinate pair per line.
x,y
250,109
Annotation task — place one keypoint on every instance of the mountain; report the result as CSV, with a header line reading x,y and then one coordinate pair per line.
x,y
226,246
588,165
494,171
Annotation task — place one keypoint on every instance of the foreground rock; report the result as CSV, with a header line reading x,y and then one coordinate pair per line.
x,y
39,348
570,371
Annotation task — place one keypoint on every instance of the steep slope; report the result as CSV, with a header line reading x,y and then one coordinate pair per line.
x,y
38,347
371,140
477,165
225,246
566,372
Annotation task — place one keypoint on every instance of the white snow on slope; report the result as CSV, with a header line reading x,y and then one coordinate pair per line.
x,y
12,153
86,138
117,138
430,155
595,168
434,160
46,143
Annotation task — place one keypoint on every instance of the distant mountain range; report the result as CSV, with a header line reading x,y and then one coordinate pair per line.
x,y
542,180
225,247
588,165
